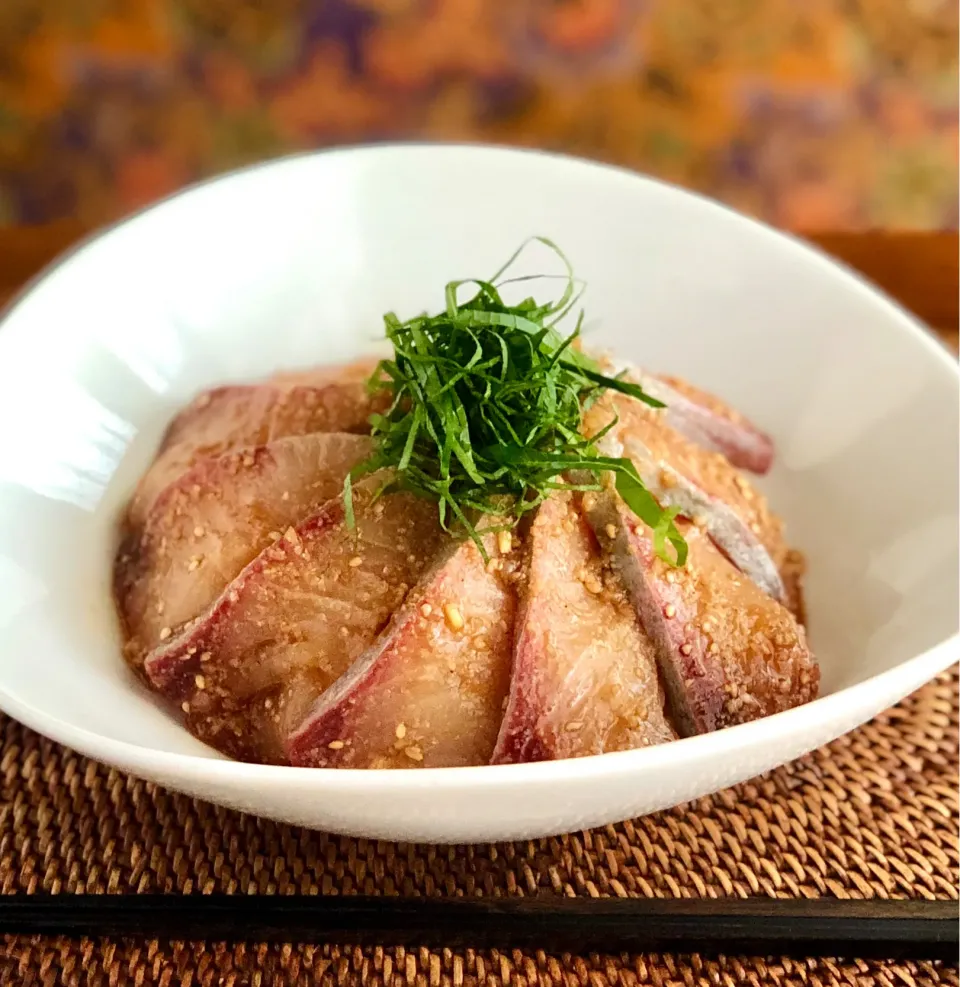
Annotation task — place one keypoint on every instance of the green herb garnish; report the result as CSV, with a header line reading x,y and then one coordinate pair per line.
x,y
486,411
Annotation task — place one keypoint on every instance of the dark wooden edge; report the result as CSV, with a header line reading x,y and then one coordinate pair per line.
x,y
920,270
875,929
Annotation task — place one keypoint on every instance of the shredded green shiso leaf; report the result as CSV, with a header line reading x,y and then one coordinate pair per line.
x,y
486,412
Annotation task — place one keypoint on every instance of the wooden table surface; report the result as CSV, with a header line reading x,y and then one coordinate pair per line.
x,y
920,270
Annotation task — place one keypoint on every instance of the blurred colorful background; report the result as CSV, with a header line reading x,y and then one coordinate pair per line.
x,y
812,114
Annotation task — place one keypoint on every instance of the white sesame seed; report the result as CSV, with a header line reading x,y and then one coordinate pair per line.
x,y
414,753
200,681
401,731
669,611
591,584
355,561
165,632
453,616
336,745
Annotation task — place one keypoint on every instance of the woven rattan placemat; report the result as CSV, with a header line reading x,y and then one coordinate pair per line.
x,y
873,814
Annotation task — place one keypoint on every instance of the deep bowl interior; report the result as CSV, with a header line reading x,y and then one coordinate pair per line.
x,y
293,264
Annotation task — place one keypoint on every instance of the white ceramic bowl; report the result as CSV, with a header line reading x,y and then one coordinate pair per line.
x,y
292,264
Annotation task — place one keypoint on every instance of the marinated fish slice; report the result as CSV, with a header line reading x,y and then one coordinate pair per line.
x,y
430,692
214,519
702,418
711,423
727,652
230,418
212,424
703,485
296,618
243,408
326,399
585,677
338,406
242,729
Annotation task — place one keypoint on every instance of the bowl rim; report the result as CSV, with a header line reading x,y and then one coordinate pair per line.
x,y
900,679
618,172
684,752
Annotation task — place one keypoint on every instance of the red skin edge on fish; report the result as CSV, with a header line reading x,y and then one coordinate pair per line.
x,y
172,667
200,407
330,719
694,682
743,444
197,475
518,741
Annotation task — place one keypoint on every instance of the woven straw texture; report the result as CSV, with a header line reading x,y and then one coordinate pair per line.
x,y
873,814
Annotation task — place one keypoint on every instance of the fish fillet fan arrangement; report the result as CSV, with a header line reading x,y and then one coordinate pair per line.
x,y
298,603
285,636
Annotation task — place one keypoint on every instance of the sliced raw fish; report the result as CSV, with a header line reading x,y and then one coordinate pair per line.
x,y
296,618
214,423
230,418
337,406
702,417
585,677
214,519
712,423
702,484
430,692
727,651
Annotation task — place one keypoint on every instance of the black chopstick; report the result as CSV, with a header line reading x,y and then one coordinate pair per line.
x,y
756,926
